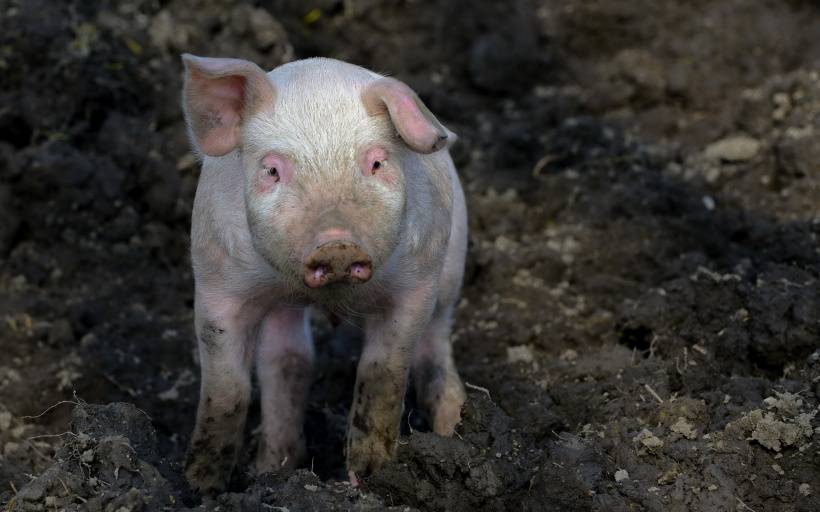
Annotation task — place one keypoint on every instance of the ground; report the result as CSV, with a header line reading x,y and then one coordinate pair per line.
x,y
640,322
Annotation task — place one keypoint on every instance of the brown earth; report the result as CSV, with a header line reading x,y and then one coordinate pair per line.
x,y
640,327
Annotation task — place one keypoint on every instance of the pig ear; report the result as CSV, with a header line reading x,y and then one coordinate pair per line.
x,y
219,94
415,123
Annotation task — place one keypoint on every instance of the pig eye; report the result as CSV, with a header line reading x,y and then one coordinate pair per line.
x,y
373,160
273,173
273,170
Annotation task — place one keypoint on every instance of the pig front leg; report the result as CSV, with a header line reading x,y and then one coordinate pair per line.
x,y
284,364
381,380
225,355
438,387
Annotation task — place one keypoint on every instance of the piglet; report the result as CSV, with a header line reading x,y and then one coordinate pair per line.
x,y
323,184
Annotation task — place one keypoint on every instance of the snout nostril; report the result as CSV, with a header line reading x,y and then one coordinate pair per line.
x,y
360,271
357,268
317,275
320,270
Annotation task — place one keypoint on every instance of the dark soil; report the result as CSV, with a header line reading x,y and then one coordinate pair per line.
x,y
640,323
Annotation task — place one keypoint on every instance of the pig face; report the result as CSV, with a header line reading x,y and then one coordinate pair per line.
x,y
319,170
299,200
325,148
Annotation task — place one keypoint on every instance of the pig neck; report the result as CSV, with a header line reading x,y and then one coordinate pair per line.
x,y
427,222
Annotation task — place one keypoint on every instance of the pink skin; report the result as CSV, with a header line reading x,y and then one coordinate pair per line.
x,y
317,278
332,234
372,161
284,362
417,125
218,94
274,170
248,314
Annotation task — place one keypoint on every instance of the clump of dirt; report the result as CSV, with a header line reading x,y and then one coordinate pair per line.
x,y
105,463
787,425
638,327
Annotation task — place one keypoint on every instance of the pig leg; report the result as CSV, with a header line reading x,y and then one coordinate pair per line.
x,y
381,379
438,387
225,354
284,363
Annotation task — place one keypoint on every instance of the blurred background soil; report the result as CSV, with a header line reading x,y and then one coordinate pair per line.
x,y
640,322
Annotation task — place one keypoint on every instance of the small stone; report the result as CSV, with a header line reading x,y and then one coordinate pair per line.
x,y
519,354
786,403
621,475
88,340
642,70
668,477
161,30
18,431
649,440
708,203
569,355
524,278
169,395
311,487
805,489
684,428
739,148
10,447
266,30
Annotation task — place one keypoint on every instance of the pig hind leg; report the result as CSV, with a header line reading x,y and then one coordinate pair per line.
x,y
284,363
438,387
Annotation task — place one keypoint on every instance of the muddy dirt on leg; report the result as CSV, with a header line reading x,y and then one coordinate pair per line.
x,y
438,387
284,363
225,350
381,380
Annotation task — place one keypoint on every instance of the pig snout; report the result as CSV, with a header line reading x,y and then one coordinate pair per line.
x,y
337,261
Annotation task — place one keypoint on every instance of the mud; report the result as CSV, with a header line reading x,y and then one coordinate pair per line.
x,y
640,322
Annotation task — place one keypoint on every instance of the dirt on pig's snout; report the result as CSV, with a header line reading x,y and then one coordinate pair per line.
x,y
639,322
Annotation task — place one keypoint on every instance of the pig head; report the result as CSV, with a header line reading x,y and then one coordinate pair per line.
x,y
322,184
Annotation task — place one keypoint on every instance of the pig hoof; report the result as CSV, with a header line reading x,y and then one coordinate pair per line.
x,y
367,454
446,413
204,476
442,397
287,458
